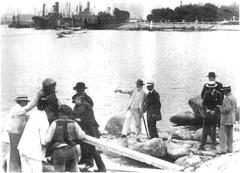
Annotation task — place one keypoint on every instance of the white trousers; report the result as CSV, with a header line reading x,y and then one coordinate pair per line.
x,y
134,116
226,138
30,165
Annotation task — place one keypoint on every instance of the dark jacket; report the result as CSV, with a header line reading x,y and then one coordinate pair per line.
x,y
65,133
211,101
218,88
88,122
153,104
49,103
87,98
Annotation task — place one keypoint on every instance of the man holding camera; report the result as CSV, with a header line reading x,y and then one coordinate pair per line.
x,y
212,99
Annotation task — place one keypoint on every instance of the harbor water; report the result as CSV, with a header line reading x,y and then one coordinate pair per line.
x,y
177,62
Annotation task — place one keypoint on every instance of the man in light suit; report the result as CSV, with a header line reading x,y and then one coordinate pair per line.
x,y
228,111
135,108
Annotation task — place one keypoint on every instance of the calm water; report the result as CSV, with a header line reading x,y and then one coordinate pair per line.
x,y
177,61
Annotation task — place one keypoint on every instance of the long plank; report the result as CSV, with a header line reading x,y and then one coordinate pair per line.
x,y
150,160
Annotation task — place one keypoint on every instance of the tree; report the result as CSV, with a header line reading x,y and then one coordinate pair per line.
x,y
104,18
120,15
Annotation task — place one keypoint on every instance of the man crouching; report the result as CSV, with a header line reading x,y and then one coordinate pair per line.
x,y
64,134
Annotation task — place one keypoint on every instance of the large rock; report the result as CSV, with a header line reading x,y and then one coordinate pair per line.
x,y
183,133
186,118
189,161
196,104
154,147
187,134
176,151
115,124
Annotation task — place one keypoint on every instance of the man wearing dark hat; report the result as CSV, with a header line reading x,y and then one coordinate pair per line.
x,y
211,101
64,134
228,111
16,124
135,108
80,89
83,114
153,106
212,78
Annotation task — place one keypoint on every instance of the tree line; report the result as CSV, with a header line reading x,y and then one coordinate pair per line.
x,y
119,16
193,12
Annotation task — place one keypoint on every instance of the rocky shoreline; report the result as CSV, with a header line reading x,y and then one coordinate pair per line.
x,y
178,145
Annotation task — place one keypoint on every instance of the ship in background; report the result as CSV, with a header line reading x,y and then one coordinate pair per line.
x,y
20,21
55,19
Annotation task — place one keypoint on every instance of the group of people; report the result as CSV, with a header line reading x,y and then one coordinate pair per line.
x,y
219,109
54,130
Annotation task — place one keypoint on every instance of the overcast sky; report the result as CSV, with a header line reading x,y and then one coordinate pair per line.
x,y
136,7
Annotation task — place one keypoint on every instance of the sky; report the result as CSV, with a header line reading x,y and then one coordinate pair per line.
x,y
139,8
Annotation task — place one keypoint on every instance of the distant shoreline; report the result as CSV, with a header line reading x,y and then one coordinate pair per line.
x,y
165,26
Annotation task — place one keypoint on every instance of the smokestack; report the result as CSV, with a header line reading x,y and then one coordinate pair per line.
x,y
56,7
80,8
43,10
88,5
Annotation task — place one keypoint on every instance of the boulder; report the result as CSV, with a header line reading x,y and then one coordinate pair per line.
x,y
186,118
115,124
176,151
187,134
117,142
196,104
183,134
154,147
189,161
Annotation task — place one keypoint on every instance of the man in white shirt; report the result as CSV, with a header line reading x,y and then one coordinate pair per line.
x,y
31,145
16,124
135,108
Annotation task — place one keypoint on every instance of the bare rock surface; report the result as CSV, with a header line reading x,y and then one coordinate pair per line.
x,y
115,124
154,147
186,118
175,150
196,104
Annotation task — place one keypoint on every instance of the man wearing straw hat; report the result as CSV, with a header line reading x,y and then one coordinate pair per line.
x,y
16,124
228,111
135,108
211,100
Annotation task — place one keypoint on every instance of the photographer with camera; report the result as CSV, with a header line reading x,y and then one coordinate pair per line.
x,y
211,101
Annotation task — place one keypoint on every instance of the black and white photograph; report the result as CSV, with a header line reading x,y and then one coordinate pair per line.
x,y
120,86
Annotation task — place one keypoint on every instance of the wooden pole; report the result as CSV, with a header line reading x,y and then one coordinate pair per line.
x,y
150,160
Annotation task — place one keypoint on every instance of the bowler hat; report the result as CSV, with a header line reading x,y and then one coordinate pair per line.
x,y
211,84
228,88
66,110
22,98
140,82
80,85
211,74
